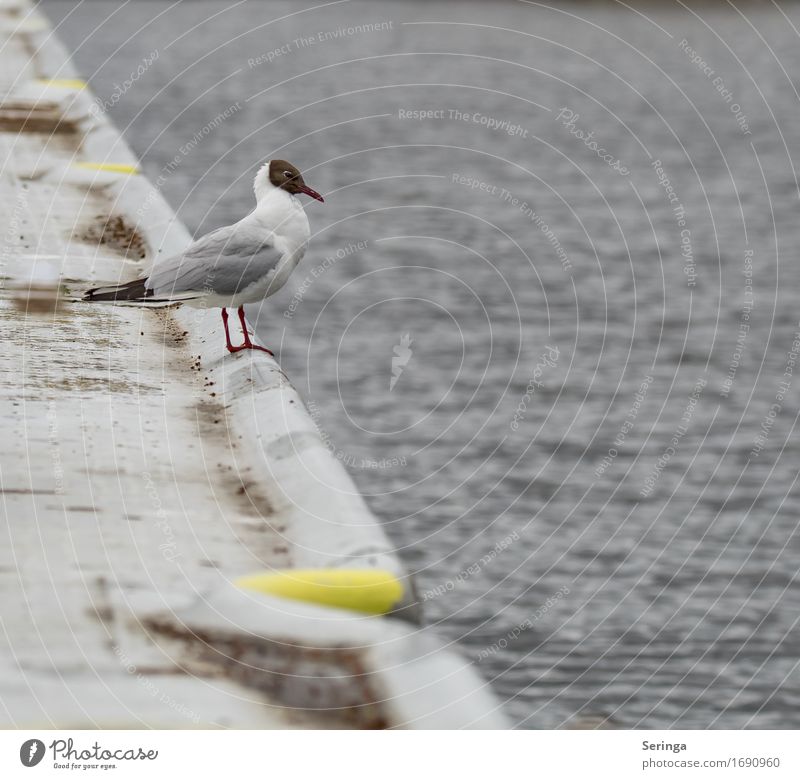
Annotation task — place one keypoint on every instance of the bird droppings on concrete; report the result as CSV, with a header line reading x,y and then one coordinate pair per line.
x,y
206,413
251,499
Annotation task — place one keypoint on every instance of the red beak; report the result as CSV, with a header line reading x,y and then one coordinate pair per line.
x,y
311,193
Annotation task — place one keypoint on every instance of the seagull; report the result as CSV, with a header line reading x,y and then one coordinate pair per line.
x,y
242,263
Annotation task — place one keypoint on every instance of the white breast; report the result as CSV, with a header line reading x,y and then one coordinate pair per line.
x,y
282,215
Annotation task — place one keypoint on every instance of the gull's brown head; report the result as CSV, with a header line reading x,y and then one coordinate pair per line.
x,y
284,175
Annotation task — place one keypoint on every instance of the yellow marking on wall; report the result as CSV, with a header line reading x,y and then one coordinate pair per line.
x,y
365,590
68,83
111,167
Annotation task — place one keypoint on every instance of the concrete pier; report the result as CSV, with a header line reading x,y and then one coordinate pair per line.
x,y
145,470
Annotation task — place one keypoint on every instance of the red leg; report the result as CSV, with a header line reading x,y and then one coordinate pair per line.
x,y
231,347
248,344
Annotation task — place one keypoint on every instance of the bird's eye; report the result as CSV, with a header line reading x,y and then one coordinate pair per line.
x,y
287,173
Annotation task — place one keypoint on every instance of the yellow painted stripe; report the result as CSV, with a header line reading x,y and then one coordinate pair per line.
x,y
69,83
112,167
367,591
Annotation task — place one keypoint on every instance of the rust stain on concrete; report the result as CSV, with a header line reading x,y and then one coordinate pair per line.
x,y
114,233
21,116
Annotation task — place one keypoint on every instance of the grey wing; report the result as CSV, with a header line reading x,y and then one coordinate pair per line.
x,y
223,262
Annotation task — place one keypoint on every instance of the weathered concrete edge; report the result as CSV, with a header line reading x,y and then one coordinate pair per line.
x,y
413,681
329,524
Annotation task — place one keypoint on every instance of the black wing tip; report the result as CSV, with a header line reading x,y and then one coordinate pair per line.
x,y
132,291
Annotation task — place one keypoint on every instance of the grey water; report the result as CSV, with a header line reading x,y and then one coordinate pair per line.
x,y
548,317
